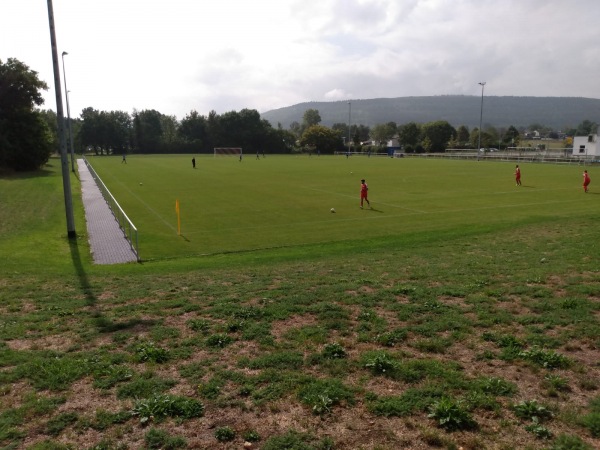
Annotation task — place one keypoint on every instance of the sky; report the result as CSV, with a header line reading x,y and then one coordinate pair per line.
x,y
178,56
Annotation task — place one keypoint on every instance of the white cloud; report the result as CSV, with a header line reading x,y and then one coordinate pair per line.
x,y
180,55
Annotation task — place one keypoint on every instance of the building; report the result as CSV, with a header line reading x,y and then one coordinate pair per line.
x,y
586,145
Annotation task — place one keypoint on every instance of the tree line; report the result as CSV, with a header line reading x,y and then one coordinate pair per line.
x,y
28,135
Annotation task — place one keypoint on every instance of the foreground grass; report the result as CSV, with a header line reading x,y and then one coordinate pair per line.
x,y
483,337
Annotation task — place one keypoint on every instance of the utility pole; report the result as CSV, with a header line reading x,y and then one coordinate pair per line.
x,y
61,130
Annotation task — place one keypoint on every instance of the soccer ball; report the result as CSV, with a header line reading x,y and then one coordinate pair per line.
x,y
332,210
141,183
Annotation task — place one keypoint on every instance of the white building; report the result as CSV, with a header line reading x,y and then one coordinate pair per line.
x,y
586,145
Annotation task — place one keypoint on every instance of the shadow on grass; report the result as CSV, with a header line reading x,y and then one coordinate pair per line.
x,y
104,324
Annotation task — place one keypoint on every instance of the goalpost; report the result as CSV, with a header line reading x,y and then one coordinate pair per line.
x,y
228,151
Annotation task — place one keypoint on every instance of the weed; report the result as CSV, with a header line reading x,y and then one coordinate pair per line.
x,y
532,410
218,340
391,338
225,434
160,439
278,360
162,406
53,372
105,419
111,376
569,442
297,441
411,400
547,359
556,382
148,351
251,436
144,386
451,415
540,431
433,345
322,395
592,422
334,351
200,325
497,386
381,364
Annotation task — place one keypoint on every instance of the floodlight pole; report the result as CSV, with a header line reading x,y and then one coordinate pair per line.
x,y
68,114
480,120
61,129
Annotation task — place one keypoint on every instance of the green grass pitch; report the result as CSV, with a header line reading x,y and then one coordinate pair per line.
x,y
286,201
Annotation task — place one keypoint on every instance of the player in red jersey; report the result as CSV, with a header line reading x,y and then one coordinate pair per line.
x,y
518,175
364,193
586,180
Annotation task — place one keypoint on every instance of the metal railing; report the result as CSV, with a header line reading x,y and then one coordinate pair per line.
x,y
129,229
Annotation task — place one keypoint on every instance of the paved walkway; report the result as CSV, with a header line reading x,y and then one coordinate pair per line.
x,y
107,240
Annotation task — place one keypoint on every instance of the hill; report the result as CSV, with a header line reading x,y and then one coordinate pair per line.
x,y
558,113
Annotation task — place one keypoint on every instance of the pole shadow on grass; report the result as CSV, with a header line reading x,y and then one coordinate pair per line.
x,y
104,324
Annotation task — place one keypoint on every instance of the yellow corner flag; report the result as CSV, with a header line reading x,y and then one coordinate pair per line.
x,y
178,217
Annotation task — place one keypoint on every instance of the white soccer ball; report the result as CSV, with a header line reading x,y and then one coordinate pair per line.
x,y
332,209
141,183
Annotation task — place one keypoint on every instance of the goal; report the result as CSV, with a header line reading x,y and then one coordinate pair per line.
x,y
228,151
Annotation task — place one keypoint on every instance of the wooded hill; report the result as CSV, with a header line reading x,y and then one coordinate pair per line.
x,y
558,113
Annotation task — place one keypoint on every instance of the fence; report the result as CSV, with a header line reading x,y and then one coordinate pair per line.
x,y
552,156
129,229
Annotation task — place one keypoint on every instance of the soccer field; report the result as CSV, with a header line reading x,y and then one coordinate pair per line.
x,y
281,201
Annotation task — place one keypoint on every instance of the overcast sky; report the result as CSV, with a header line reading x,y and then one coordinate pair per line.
x,y
176,56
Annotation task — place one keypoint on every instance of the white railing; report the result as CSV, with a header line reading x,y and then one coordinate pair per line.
x,y
129,229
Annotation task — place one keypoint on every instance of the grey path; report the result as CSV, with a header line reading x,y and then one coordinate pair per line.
x,y
107,240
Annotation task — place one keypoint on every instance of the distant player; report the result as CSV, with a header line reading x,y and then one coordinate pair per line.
x,y
518,175
586,180
364,193
124,160
194,163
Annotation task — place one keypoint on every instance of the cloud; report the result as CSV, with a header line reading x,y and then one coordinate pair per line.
x,y
177,55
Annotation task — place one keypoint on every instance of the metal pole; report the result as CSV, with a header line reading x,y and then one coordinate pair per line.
x,y
68,115
349,124
61,129
480,119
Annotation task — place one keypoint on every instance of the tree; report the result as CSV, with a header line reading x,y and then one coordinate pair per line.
x,y
383,132
311,117
322,138
586,128
437,134
147,130
462,135
512,136
409,134
25,137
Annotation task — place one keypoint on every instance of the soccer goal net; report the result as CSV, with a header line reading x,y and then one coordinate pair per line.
x,y
228,151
